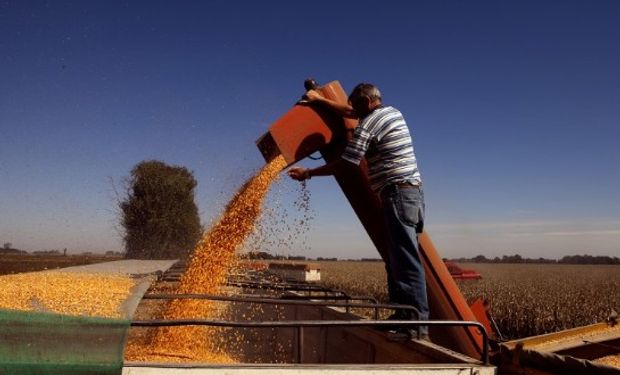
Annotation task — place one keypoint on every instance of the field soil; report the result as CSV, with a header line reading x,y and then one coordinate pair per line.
x,y
10,264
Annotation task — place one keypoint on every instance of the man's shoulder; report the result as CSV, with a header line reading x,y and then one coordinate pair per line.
x,y
381,113
387,112
389,108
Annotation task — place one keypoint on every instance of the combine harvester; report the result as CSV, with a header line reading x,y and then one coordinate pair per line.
x,y
459,273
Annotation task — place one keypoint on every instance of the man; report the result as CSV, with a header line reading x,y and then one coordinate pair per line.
x,y
383,137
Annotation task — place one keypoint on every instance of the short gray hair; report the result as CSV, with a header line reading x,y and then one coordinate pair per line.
x,y
366,89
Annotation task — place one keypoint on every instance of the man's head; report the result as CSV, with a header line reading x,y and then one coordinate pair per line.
x,y
364,98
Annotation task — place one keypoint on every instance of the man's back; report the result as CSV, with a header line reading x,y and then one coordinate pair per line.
x,y
383,136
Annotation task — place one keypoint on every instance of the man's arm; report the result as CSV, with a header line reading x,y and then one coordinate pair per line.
x,y
343,109
301,174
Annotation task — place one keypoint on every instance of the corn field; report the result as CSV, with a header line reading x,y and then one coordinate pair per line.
x,y
525,299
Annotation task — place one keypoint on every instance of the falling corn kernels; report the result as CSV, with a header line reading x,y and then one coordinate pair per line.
x,y
207,270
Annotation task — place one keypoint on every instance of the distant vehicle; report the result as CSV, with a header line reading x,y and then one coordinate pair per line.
x,y
459,273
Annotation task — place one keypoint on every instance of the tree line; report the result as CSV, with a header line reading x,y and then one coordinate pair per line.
x,y
159,219
567,259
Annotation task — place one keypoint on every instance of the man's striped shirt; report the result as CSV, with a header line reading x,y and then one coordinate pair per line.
x,y
383,136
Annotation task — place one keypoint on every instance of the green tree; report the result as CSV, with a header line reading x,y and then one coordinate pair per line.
x,y
158,215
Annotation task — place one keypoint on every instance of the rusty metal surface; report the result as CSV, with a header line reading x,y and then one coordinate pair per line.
x,y
588,342
567,338
519,360
299,133
305,128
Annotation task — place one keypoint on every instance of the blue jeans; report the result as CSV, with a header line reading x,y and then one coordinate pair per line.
x,y
403,209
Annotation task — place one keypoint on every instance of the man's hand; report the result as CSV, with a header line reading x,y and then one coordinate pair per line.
x,y
343,109
313,96
299,173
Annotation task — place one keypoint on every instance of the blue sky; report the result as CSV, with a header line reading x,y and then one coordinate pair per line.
x,y
514,108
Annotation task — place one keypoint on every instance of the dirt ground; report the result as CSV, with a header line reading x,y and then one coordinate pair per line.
x,y
10,264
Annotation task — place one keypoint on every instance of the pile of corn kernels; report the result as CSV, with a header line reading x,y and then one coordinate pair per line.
x,y
70,293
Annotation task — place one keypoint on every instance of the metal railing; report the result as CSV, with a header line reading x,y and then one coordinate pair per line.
x,y
326,299
300,287
286,301
300,324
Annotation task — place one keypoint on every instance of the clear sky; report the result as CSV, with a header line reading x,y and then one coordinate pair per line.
x,y
514,108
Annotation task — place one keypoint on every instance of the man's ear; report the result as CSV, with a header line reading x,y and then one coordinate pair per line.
x,y
366,100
